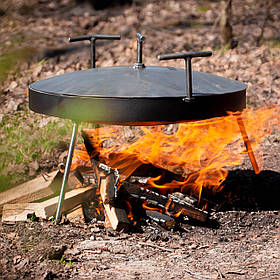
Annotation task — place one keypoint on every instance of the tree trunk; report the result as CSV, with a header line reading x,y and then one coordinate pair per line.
x,y
268,5
225,23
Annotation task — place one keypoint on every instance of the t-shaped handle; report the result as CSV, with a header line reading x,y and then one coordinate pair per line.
x,y
92,38
187,56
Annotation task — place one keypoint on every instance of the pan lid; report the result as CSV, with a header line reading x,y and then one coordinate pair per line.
x,y
137,94
128,82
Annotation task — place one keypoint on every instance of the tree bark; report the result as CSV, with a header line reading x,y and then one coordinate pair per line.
x,y
268,6
226,35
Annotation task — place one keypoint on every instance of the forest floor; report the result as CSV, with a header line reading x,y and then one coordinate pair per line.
x,y
241,240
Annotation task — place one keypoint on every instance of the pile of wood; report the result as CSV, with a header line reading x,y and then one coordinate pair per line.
x,y
163,209
125,200
122,201
39,197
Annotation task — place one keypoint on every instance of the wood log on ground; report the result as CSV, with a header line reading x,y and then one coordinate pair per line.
x,y
42,186
117,216
76,214
45,209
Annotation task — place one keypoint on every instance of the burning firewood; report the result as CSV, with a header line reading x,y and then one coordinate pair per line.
x,y
162,219
107,179
173,205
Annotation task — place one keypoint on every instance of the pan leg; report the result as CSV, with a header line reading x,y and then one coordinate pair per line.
x,y
66,172
248,145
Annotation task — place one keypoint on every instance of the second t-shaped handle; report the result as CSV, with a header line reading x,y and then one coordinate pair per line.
x,y
92,38
187,56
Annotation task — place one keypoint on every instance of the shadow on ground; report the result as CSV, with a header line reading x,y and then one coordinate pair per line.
x,y
244,190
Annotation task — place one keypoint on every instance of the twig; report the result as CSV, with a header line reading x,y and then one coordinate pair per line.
x,y
235,272
198,277
222,276
44,176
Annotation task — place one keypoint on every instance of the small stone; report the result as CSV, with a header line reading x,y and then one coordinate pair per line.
x,y
193,246
20,265
174,246
95,229
16,259
33,167
12,105
12,85
37,71
8,43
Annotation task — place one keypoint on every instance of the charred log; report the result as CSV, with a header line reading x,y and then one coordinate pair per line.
x,y
162,219
172,204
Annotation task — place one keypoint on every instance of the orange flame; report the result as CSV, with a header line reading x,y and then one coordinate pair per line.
x,y
80,157
147,207
200,151
169,205
130,214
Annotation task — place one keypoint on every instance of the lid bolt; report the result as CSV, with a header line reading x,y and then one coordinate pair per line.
x,y
187,56
140,40
92,38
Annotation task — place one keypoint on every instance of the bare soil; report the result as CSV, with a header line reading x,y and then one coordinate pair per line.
x,y
241,239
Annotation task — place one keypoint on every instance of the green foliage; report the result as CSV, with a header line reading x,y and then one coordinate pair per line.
x,y
222,49
273,43
62,260
202,8
197,25
32,217
24,139
10,60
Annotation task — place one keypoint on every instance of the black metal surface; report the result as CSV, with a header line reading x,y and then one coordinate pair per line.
x,y
187,56
125,95
92,38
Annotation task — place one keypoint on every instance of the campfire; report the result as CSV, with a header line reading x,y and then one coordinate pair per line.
x,y
157,168
165,172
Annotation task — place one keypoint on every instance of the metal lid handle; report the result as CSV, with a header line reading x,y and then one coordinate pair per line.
x,y
92,38
187,56
140,40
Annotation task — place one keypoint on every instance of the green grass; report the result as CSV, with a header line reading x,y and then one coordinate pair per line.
x,y
273,43
23,140
11,58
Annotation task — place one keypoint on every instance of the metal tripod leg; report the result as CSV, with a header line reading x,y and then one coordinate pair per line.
x,y
248,145
66,172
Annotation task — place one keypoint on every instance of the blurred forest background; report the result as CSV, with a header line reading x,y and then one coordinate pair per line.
x,y
243,35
